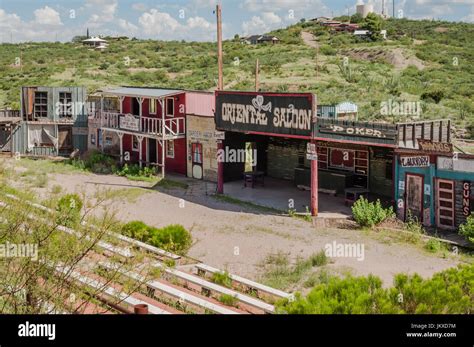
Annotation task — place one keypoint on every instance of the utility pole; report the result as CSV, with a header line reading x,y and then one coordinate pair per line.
x,y
393,4
220,86
383,7
257,84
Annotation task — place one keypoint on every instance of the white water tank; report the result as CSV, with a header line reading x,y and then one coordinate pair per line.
x,y
364,9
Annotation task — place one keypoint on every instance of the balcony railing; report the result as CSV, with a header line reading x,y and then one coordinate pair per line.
x,y
141,125
9,114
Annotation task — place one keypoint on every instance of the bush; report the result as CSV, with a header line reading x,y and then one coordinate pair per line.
x,y
370,214
327,50
137,230
352,295
433,245
228,300
173,238
447,292
434,95
69,210
222,278
467,229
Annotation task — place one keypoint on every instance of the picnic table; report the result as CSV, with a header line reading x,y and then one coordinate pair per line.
x,y
354,193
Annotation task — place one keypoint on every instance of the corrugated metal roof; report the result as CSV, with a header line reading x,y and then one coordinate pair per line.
x,y
146,92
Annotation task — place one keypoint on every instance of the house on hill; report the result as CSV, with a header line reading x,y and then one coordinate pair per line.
x,y
96,43
256,39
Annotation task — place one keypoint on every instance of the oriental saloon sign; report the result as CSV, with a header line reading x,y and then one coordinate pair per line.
x,y
272,113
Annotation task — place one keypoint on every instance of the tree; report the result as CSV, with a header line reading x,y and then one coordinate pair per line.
x,y
373,23
357,18
40,256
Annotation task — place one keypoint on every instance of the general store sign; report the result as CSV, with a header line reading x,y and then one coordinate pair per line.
x,y
129,122
415,161
435,147
272,113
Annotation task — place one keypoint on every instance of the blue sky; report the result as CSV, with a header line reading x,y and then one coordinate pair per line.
x,y
38,20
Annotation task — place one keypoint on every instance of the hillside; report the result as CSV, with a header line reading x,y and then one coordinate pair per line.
x,y
427,61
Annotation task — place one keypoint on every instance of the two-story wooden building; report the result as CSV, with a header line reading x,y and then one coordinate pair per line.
x,y
148,125
53,121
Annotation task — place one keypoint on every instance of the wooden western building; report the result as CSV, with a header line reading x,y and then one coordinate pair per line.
x,y
144,126
434,184
53,121
266,134
147,126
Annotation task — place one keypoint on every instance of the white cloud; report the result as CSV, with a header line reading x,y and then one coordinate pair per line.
x,y
104,12
128,27
140,7
162,26
47,16
261,24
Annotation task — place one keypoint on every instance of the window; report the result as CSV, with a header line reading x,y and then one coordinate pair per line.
x,y
99,137
341,159
152,106
108,140
65,104
197,153
41,104
170,149
135,144
92,139
170,106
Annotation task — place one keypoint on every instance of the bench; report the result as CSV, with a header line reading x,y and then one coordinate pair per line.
x,y
123,297
171,291
203,268
210,286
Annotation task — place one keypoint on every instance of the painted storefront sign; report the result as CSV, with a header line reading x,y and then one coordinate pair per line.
x,y
466,198
286,114
435,147
415,161
129,122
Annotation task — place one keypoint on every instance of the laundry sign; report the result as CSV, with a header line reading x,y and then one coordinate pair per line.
x,y
272,113
415,161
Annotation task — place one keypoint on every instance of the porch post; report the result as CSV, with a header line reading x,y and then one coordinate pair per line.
x,y
121,98
140,141
163,141
120,135
140,104
314,164
11,140
220,168
314,186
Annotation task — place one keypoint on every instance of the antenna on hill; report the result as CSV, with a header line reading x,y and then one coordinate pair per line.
x,y
257,83
220,83
393,10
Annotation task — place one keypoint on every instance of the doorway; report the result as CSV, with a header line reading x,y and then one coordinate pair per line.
x,y
152,153
196,150
445,204
414,197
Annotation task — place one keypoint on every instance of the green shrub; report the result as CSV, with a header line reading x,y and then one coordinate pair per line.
x,y
137,230
467,229
433,245
69,210
434,95
173,238
222,278
370,214
319,259
447,292
228,300
327,50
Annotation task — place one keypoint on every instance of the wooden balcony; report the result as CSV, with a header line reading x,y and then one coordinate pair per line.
x,y
173,128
